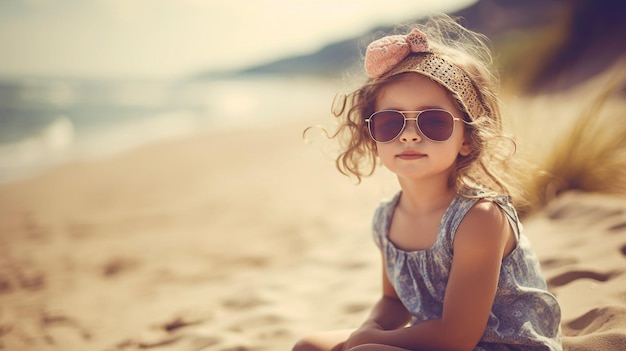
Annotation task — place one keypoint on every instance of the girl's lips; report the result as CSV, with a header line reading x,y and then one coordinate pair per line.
x,y
410,155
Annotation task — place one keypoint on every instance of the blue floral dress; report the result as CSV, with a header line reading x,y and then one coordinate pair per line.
x,y
524,316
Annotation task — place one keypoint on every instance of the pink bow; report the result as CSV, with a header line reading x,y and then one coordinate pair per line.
x,y
383,54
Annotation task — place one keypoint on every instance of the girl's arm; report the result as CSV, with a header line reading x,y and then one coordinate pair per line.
x,y
479,247
388,314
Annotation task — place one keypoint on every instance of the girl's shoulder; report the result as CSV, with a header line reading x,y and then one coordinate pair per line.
x,y
488,199
489,207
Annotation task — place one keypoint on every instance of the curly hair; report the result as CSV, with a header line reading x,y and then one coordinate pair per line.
x,y
490,164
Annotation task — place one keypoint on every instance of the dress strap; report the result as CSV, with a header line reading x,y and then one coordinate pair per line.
x,y
504,202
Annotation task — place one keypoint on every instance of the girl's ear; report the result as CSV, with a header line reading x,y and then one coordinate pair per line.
x,y
466,147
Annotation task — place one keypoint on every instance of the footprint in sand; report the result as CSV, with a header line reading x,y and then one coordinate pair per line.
x,y
568,277
20,276
597,320
618,227
168,333
598,329
53,323
581,210
116,265
242,302
549,263
356,308
5,285
180,322
259,321
33,228
31,280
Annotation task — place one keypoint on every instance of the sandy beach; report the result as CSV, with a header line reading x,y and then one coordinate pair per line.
x,y
244,240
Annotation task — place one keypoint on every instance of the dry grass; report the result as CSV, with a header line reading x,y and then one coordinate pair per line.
x,y
571,142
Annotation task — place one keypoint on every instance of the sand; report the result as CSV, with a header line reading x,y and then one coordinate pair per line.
x,y
244,240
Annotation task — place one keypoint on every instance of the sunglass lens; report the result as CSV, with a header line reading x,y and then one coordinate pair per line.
x,y
436,125
386,125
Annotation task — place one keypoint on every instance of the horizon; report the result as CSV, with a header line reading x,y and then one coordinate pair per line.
x,y
150,39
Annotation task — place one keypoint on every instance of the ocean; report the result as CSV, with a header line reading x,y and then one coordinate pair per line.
x,y
47,122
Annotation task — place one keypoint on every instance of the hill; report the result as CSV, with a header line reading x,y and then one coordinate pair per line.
x,y
539,44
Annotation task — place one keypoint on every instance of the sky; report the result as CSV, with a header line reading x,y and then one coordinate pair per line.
x,y
171,38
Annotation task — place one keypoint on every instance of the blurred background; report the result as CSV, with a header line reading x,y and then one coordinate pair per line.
x,y
180,208
90,78
81,79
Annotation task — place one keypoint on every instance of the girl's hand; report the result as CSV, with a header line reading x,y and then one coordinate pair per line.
x,y
366,334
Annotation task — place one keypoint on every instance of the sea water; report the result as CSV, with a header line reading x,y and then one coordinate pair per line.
x,y
47,122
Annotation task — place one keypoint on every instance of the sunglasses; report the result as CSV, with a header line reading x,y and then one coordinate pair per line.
x,y
386,125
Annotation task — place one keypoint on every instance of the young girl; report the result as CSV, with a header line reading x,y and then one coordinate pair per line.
x,y
458,272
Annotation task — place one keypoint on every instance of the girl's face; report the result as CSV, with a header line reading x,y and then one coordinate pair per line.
x,y
412,156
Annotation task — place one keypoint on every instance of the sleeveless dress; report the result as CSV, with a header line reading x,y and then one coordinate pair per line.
x,y
524,316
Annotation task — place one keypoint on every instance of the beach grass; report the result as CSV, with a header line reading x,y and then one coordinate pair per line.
x,y
570,141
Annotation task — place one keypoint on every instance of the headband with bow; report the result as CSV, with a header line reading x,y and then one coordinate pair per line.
x,y
391,55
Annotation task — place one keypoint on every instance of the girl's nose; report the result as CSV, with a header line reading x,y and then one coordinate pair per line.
x,y
410,132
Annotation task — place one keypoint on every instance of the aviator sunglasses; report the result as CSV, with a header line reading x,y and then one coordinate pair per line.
x,y
434,124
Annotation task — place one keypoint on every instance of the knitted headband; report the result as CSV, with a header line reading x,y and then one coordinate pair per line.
x,y
391,55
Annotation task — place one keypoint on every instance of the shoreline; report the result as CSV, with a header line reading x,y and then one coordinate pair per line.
x,y
67,121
